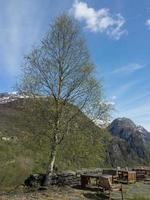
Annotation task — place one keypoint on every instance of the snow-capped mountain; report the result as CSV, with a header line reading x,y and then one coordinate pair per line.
x,y
126,129
10,96
130,143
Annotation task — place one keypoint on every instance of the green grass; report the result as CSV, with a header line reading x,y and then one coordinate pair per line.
x,y
139,198
137,191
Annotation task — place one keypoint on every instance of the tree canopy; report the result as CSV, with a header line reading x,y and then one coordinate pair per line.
x,y
59,73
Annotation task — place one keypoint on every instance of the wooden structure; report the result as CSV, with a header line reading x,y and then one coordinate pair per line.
x,y
113,173
105,183
86,179
142,173
127,176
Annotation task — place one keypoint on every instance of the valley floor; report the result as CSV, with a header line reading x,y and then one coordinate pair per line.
x,y
139,190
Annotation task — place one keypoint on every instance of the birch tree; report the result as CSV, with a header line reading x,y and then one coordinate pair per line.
x,y
61,74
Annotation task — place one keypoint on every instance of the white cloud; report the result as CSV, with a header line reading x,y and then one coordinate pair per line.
x,y
148,23
111,101
100,20
129,68
113,97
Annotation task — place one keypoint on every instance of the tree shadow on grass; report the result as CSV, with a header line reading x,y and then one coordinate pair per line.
x,y
96,196
92,189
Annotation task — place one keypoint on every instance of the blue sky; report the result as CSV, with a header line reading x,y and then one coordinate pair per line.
x,y
118,38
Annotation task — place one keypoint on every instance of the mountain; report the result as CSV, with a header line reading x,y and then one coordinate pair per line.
x,y
127,129
7,97
130,143
24,146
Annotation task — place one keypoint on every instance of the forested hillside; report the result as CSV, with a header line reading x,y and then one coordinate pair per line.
x,y
24,147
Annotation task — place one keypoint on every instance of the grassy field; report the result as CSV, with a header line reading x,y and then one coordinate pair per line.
x,y
138,191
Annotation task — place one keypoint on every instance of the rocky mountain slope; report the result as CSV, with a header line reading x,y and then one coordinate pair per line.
x,y
130,143
126,129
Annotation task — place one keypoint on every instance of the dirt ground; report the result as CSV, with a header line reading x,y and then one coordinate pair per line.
x,y
139,189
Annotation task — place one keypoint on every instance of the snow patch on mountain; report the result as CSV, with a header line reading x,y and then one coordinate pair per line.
x,y
10,97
